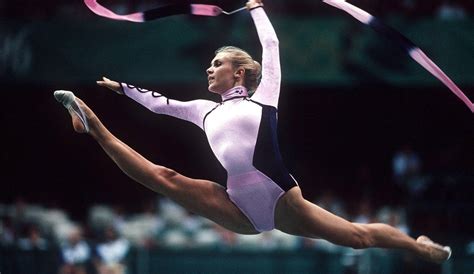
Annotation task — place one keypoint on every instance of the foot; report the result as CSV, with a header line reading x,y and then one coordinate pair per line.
x,y
79,112
434,252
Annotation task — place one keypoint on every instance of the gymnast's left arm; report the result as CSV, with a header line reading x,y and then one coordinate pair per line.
x,y
268,91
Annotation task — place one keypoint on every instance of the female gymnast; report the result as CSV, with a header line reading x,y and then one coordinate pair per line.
x,y
261,195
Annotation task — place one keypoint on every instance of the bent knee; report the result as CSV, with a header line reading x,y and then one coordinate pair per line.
x,y
164,172
361,237
162,178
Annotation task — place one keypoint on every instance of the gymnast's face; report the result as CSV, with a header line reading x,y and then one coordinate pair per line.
x,y
221,75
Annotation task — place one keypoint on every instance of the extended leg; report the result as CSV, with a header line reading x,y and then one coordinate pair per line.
x,y
202,197
295,215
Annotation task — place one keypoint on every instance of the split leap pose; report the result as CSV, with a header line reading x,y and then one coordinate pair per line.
x,y
261,195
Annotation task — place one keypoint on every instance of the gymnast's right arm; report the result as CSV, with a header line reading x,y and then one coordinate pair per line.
x,y
192,111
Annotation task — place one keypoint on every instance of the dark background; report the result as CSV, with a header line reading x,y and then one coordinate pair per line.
x,y
333,137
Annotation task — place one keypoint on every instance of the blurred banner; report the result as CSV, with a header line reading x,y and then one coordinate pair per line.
x,y
325,51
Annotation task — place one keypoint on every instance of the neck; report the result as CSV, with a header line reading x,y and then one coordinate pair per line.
x,y
237,91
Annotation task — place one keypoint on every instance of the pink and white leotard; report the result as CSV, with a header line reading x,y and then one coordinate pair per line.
x,y
241,131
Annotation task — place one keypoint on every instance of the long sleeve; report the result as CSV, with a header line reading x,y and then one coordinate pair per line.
x,y
192,111
268,91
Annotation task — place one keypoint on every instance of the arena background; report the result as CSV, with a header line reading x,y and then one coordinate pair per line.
x,y
351,102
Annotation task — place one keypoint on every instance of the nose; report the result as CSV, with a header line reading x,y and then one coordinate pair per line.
x,y
209,71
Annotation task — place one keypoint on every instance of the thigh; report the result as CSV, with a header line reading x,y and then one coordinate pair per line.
x,y
297,216
207,199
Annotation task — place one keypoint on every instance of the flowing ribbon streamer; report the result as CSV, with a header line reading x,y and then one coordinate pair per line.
x,y
414,51
211,10
156,13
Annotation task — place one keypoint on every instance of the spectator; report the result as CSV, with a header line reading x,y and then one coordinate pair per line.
x,y
393,217
7,233
405,163
18,212
450,10
75,253
331,203
111,253
142,229
470,248
364,214
33,240
406,166
227,237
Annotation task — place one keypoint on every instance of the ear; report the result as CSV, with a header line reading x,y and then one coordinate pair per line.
x,y
239,73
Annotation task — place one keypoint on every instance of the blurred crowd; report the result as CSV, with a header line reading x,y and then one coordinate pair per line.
x,y
108,234
441,8
103,239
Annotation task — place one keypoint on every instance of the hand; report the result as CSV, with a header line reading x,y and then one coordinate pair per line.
x,y
251,4
113,85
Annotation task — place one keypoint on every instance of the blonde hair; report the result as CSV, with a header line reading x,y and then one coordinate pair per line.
x,y
241,59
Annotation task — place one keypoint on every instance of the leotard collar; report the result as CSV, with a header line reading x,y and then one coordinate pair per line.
x,y
234,93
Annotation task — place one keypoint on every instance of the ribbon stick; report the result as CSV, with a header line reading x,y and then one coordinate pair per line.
x,y
160,12
414,51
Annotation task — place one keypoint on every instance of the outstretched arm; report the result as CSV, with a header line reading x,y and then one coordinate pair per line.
x,y
192,111
269,89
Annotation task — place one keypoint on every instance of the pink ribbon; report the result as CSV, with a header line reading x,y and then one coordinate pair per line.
x,y
104,12
416,53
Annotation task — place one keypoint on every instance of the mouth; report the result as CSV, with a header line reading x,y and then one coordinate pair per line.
x,y
210,79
